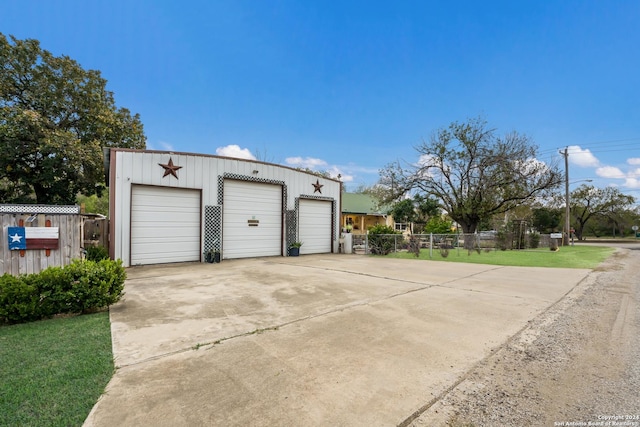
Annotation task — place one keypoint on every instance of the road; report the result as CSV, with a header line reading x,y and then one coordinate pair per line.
x,y
578,363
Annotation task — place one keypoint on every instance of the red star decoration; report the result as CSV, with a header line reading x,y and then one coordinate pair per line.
x,y
170,168
317,187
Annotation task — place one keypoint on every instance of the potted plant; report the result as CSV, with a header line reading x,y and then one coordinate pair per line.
x,y
212,255
294,248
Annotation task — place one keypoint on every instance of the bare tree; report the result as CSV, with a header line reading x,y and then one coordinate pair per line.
x,y
473,173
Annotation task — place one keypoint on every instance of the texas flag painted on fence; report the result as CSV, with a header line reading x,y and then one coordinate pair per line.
x,y
21,238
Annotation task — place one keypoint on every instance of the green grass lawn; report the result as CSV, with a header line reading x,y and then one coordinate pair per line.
x,y
565,257
53,371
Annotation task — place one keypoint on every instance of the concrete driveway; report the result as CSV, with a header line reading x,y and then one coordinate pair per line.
x,y
313,340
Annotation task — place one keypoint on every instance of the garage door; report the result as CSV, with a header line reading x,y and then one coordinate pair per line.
x,y
252,220
165,225
314,226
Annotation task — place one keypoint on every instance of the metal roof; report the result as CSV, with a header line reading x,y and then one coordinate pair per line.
x,y
362,204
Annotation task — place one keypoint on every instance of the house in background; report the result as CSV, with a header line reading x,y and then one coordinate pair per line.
x,y
361,211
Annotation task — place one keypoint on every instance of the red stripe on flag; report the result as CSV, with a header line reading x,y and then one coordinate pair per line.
x,y
42,243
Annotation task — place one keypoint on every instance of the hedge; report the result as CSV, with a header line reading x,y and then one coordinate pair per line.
x,y
381,239
80,287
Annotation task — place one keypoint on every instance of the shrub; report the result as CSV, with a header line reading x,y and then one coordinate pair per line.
x,y
502,240
97,253
18,300
414,245
53,288
381,239
79,287
534,240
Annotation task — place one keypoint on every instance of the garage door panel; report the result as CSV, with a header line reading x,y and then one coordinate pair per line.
x,y
164,230
178,247
314,226
165,225
152,215
256,203
150,240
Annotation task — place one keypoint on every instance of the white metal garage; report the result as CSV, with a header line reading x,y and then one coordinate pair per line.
x,y
314,226
252,219
167,206
165,225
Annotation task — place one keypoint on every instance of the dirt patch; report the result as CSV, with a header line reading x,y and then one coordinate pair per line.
x,y
577,363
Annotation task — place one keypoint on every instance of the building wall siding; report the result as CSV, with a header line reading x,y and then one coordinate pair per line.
x,y
198,172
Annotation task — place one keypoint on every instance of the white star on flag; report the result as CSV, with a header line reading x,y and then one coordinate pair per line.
x,y
16,238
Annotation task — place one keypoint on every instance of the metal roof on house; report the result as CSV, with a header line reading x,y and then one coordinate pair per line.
x,y
362,204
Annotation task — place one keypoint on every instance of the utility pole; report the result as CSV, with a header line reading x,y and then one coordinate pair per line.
x,y
567,210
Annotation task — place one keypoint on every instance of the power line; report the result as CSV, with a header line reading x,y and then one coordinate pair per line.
x,y
610,141
610,149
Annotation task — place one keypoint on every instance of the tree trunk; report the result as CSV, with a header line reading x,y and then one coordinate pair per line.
x,y
42,195
468,228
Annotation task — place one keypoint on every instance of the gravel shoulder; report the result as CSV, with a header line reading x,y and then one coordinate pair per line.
x,y
578,363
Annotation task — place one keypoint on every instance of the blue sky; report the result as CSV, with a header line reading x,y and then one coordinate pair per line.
x,y
349,86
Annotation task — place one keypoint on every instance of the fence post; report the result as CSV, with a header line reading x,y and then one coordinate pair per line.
x,y
430,245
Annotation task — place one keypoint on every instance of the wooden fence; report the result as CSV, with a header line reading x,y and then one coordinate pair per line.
x,y
96,232
70,238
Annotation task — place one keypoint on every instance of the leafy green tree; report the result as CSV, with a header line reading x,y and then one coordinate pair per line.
x,y
426,207
546,220
588,203
473,173
55,118
403,211
619,225
416,210
438,225
95,204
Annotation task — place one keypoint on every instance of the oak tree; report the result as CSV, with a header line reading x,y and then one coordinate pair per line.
x,y
588,203
55,118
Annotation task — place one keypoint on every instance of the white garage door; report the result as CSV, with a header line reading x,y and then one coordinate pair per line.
x,y
165,225
252,220
314,226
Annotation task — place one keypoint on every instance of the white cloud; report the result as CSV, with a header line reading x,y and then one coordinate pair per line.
x,y
334,171
161,145
427,160
166,146
582,157
632,183
532,166
351,167
306,162
609,172
634,161
235,151
429,166
348,173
